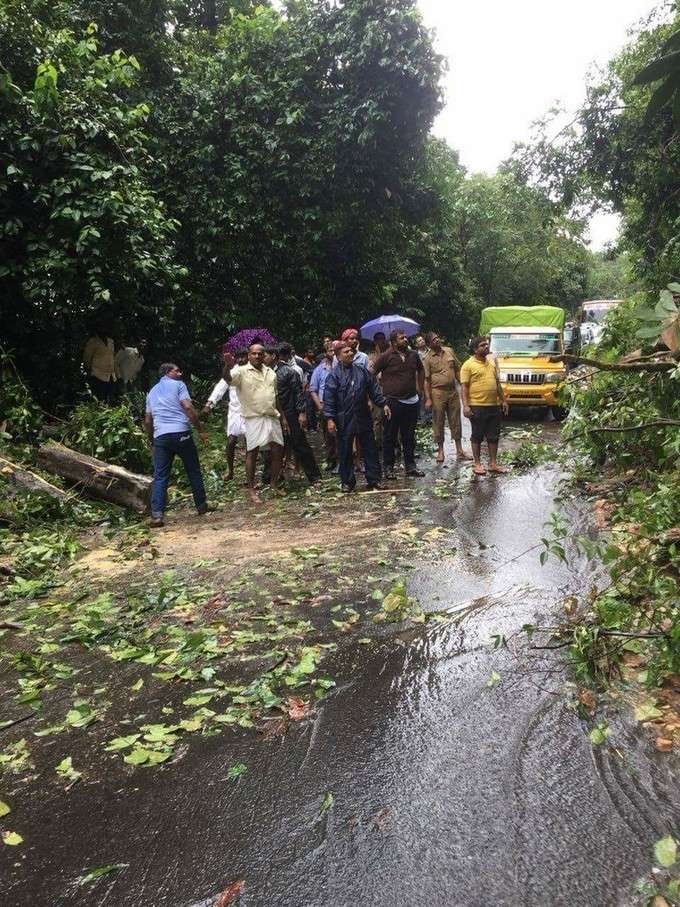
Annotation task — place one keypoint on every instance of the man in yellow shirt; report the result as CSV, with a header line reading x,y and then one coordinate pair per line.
x,y
483,402
98,359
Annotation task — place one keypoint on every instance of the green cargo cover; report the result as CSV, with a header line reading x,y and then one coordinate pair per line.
x,y
522,316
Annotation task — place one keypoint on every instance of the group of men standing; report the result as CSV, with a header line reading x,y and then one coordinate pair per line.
x,y
111,372
367,406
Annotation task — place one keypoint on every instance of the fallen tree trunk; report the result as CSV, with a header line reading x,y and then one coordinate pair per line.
x,y
663,365
24,478
95,477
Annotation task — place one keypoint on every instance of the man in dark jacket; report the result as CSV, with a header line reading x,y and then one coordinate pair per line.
x,y
348,389
291,402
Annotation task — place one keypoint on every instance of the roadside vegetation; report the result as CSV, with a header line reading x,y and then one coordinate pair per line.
x,y
624,431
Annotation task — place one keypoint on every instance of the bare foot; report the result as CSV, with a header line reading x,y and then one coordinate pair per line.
x,y
254,496
440,456
228,476
462,455
479,470
500,469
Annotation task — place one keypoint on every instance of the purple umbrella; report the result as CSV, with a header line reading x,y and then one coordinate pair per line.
x,y
387,323
244,338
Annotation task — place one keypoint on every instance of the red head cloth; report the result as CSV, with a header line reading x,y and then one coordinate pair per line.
x,y
337,345
346,334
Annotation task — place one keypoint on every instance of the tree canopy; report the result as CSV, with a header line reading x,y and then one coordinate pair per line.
x,y
185,169
621,151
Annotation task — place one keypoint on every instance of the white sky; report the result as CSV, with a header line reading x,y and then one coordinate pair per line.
x,y
511,60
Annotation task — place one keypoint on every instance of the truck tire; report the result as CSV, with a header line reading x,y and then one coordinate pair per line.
x,y
559,413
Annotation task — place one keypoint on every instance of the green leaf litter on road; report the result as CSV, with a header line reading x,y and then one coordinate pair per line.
x,y
66,770
666,851
599,733
494,679
99,872
5,809
647,711
12,838
236,770
326,803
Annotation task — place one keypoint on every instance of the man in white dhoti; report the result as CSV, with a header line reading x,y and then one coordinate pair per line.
x,y
255,386
235,426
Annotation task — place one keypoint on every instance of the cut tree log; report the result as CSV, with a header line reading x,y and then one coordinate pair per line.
x,y
24,478
95,477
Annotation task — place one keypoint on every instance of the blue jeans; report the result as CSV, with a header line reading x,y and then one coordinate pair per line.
x,y
164,449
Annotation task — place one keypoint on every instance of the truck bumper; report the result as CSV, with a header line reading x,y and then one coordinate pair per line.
x,y
531,395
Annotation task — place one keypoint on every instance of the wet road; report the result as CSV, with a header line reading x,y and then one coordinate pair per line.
x,y
448,788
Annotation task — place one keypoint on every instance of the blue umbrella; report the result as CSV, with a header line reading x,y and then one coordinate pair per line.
x,y
387,323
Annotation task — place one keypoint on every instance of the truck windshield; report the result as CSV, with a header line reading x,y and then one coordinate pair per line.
x,y
525,344
596,315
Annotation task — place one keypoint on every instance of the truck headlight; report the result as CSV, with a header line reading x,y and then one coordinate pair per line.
x,y
554,377
504,376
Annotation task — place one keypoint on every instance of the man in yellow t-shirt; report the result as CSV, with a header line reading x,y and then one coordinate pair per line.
x,y
483,402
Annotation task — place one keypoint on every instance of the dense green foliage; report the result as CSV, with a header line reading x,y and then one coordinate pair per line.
x,y
111,433
640,610
517,245
202,166
610,276
21,419
79,223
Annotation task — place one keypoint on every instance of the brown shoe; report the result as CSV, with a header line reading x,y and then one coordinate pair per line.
x,y
156,522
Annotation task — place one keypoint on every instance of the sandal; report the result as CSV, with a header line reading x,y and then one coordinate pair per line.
x,y
479,470
499,469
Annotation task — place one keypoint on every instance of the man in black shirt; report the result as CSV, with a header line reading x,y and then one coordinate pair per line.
x,y
291,401
401,375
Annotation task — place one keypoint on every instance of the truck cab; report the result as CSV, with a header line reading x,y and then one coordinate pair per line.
x,y
523,351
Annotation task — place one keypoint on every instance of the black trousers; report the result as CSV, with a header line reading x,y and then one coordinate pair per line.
x,y
105,391
402,422
364,434
296,441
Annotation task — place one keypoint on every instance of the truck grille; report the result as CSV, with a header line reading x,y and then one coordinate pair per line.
x,y
525,378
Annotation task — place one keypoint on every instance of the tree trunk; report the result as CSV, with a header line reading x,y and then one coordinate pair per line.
x,y
95,477
29,480
210,16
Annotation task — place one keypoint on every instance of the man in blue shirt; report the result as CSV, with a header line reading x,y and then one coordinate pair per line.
x,y
317,384
168,420
348,389
351,336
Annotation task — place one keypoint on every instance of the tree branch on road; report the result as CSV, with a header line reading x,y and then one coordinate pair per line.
x,y
658,366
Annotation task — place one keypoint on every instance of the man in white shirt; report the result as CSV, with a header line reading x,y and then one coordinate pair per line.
x,y
128,363
235,425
